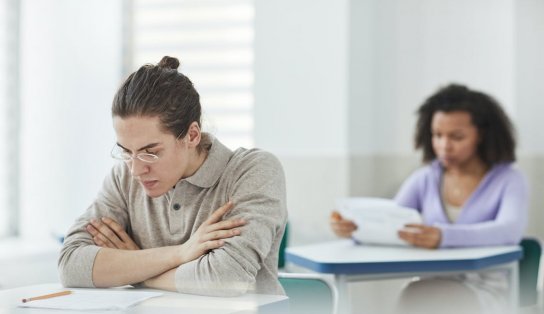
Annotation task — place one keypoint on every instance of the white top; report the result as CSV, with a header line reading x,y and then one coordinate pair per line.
x,y
452,211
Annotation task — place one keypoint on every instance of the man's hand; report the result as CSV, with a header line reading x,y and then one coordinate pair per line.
x,y
211,234
106,232
421,235
342,227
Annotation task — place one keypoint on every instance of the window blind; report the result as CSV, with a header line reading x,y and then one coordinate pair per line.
x,y
9,117
213,39
4,210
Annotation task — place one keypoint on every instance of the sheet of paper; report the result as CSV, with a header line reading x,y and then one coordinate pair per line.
x,y
93,299
378,220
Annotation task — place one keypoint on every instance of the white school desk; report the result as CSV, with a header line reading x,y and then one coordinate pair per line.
x,y
170,302
351,262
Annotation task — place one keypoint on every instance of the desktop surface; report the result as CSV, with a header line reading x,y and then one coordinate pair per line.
x,y
347,257
169,302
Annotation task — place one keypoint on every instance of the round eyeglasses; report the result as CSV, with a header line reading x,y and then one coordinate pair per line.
x,y
120,154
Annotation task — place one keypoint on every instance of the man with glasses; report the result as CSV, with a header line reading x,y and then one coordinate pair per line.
x,y
182,212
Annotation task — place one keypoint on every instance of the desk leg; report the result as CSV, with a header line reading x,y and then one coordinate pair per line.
x,y
344,299
514,285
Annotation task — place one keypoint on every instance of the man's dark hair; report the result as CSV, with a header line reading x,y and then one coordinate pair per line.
x,y
161,91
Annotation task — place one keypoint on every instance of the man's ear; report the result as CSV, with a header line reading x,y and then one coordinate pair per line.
x,y
194,135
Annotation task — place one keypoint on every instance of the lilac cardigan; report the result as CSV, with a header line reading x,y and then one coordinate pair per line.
x,y
495,214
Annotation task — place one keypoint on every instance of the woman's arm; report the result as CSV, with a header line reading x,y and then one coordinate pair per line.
x,y
409,194
506,228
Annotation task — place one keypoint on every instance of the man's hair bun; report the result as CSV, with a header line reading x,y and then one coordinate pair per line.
x,y
169,63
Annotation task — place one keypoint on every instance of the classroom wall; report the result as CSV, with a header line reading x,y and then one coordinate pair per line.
x,y
529,75
301,78
387,56
339,107
70,69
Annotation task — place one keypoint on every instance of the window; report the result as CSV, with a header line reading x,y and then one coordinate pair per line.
x,y
214,41
9,116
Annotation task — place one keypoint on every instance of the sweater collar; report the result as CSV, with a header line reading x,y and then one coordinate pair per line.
x,y
213,167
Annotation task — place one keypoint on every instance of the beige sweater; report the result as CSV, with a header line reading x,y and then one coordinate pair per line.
x,y
253,179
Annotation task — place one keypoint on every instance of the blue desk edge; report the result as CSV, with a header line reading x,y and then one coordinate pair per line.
x,y
401,267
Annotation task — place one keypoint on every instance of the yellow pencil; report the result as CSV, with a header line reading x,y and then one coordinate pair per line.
x,y
48,296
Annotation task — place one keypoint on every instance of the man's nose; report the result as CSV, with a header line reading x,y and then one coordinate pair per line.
x,y
138,167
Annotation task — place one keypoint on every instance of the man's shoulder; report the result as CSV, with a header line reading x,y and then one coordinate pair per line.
x,y
120,176
244,155
255,158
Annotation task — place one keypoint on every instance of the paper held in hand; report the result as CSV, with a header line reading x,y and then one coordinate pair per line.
x,y
378,220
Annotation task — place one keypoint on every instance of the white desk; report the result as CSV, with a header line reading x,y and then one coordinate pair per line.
x,y
170,302
351,262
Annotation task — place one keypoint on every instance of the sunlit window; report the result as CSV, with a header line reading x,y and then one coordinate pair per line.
x,y
9,116
214,41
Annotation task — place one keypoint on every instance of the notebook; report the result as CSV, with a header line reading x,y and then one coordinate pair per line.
x,y
93,299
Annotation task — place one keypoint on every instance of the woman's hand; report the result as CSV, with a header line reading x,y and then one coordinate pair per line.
x,y
421,235
340,226
211,234
106,232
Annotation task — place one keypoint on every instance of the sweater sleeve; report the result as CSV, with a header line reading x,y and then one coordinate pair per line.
x,y
258,193
507,227
77,255
409,194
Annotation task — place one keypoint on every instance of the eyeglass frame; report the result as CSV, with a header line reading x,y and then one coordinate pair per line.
x,y
131,157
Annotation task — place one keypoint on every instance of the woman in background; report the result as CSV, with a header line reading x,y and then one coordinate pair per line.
x,y
469,193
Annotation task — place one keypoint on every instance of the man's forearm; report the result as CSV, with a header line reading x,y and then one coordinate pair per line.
x,y
165,281
113,267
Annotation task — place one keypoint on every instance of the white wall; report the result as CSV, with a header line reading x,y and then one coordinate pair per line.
x,y
347,128
529,18
71,67
530,74
301,76
385,58
402,51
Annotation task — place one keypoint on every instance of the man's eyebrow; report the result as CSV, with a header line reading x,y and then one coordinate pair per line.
x,y
148,146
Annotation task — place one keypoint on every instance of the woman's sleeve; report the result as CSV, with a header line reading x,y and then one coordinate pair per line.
x,y
507,227
410,190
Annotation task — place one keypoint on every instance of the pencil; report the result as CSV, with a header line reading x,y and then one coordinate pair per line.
x,y
47,296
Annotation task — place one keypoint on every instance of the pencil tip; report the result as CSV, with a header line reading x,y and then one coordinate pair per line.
x,y
24,300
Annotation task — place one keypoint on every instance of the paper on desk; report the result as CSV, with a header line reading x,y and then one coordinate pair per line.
x,y
378,220
102,299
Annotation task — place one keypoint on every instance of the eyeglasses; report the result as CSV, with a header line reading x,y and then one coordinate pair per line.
x,y
121,154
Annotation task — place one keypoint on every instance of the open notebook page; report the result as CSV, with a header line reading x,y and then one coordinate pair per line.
x,y
95,299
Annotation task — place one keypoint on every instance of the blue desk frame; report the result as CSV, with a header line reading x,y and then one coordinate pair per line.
x,y
350,262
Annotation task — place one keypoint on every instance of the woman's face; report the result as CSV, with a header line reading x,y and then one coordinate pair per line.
x,y
455,138
137,135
